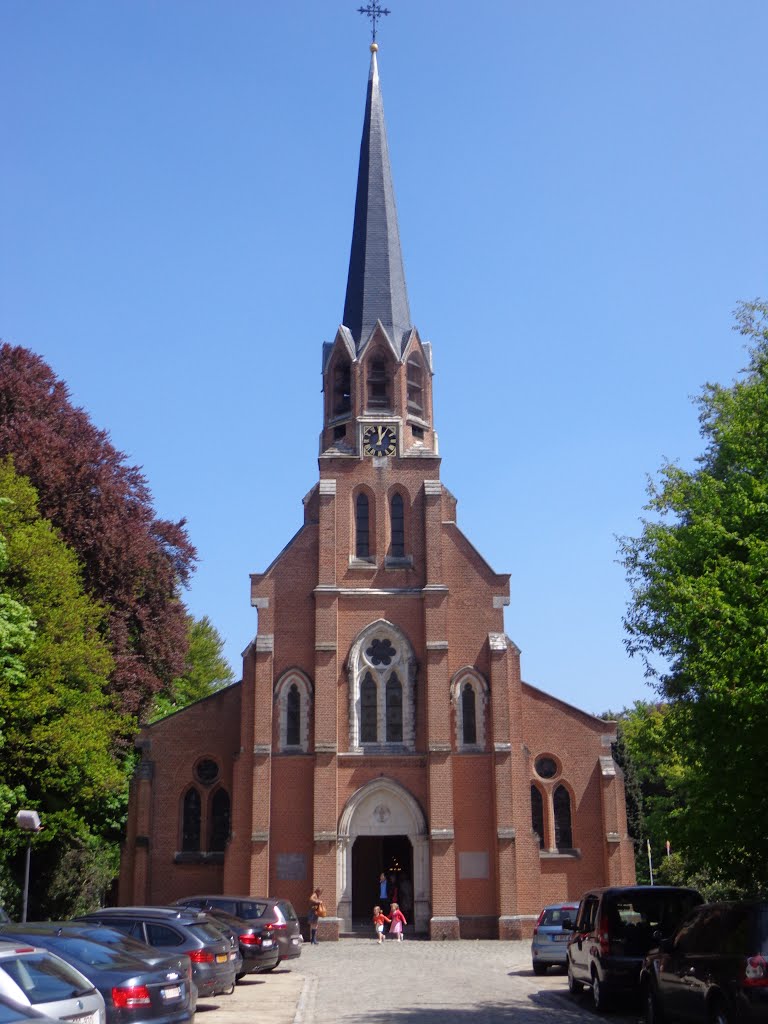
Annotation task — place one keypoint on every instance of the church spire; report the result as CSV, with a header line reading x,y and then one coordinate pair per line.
x,y
376,282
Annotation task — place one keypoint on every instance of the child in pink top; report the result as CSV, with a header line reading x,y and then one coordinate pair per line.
x,y
398,921
378,923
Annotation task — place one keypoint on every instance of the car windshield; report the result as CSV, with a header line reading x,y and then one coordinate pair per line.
x,y
207,932
95,954
249,910
287,910
554,916
44,979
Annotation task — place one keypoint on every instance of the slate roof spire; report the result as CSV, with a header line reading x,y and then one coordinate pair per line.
x,y
376,281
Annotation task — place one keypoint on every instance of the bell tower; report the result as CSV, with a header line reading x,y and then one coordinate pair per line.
x,y
377,373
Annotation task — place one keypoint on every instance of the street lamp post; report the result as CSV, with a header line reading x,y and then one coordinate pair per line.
x,y
29,822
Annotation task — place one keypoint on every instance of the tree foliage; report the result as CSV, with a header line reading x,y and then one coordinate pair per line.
x,y
698,617
132,562
206,669
59,727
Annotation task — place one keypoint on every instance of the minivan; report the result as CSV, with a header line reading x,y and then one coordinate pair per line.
x,y
614,929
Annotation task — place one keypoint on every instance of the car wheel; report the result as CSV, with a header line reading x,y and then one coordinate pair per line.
x,y
540,968
240,976
654,1014
599,995
720,1014
574,987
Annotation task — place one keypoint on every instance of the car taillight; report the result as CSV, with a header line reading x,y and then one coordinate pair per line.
x,y
130,995
250,940
200,956
277,926
756,973
605,935
538,922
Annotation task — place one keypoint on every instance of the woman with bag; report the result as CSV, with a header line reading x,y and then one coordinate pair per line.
x,y
316,911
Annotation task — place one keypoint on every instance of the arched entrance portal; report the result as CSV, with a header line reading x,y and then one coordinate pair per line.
x,y
387,822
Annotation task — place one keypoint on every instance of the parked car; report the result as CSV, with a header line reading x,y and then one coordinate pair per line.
x,y
134,992
614,929
714,969
277,914
548,945
258,944
17,1013
172,929
34,977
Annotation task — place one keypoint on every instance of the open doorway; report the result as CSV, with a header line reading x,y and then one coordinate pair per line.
x,y
370,856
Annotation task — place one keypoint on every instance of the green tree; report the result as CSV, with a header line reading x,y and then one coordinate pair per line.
x,y
60,728
698,617
206,669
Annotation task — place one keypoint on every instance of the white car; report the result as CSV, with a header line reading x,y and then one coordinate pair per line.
x,y
34,977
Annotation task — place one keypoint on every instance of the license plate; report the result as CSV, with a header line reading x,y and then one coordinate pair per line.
x,y
221,958
171,993
560,938
83,1018
266,943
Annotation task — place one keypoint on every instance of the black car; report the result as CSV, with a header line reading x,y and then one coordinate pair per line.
x,y
134,992
173,930
713,970
614,929
259,947
277,915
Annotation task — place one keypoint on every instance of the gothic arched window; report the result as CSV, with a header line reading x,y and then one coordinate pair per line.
x,y
293,717
379,382
219,820
342,387
191,821
397,526
415,381
369,710
562,808
469,696
537,813
468,717
382,675
394,709
293,696
362,527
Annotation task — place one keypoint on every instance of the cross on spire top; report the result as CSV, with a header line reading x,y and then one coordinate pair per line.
x,y
374,10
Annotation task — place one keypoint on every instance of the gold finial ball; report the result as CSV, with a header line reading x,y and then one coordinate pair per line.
x,y
374,47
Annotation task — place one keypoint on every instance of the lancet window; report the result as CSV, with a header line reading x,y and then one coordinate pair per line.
x,y
382,670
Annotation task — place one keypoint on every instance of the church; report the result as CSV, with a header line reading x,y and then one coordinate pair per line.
x,y
381,724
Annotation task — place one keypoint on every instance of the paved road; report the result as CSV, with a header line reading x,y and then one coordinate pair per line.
x,y
412,982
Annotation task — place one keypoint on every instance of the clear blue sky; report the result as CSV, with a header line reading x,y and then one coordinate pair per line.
x,y
582,198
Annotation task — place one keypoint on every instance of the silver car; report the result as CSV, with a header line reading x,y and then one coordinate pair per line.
x,y
549,943
34,977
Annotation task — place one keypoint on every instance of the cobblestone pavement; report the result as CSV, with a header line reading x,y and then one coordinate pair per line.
x,y
413,982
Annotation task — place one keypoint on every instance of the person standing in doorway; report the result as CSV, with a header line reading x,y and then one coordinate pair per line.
x,y
383,893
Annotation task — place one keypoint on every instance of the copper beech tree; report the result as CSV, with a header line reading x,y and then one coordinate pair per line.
x,y
134,563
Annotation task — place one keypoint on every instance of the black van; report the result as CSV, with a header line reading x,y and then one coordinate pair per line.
x,y
614,929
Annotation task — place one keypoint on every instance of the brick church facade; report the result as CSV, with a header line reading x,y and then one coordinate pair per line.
x,y
381,723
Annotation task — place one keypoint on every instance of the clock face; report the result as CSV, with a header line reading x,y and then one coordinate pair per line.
x,y
379,440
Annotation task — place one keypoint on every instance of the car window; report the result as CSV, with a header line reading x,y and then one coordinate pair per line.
x,y
92,953
286,909
228,906
249,910
162,935
9,1014
700,932
587,914
207,932
555,916
43,979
